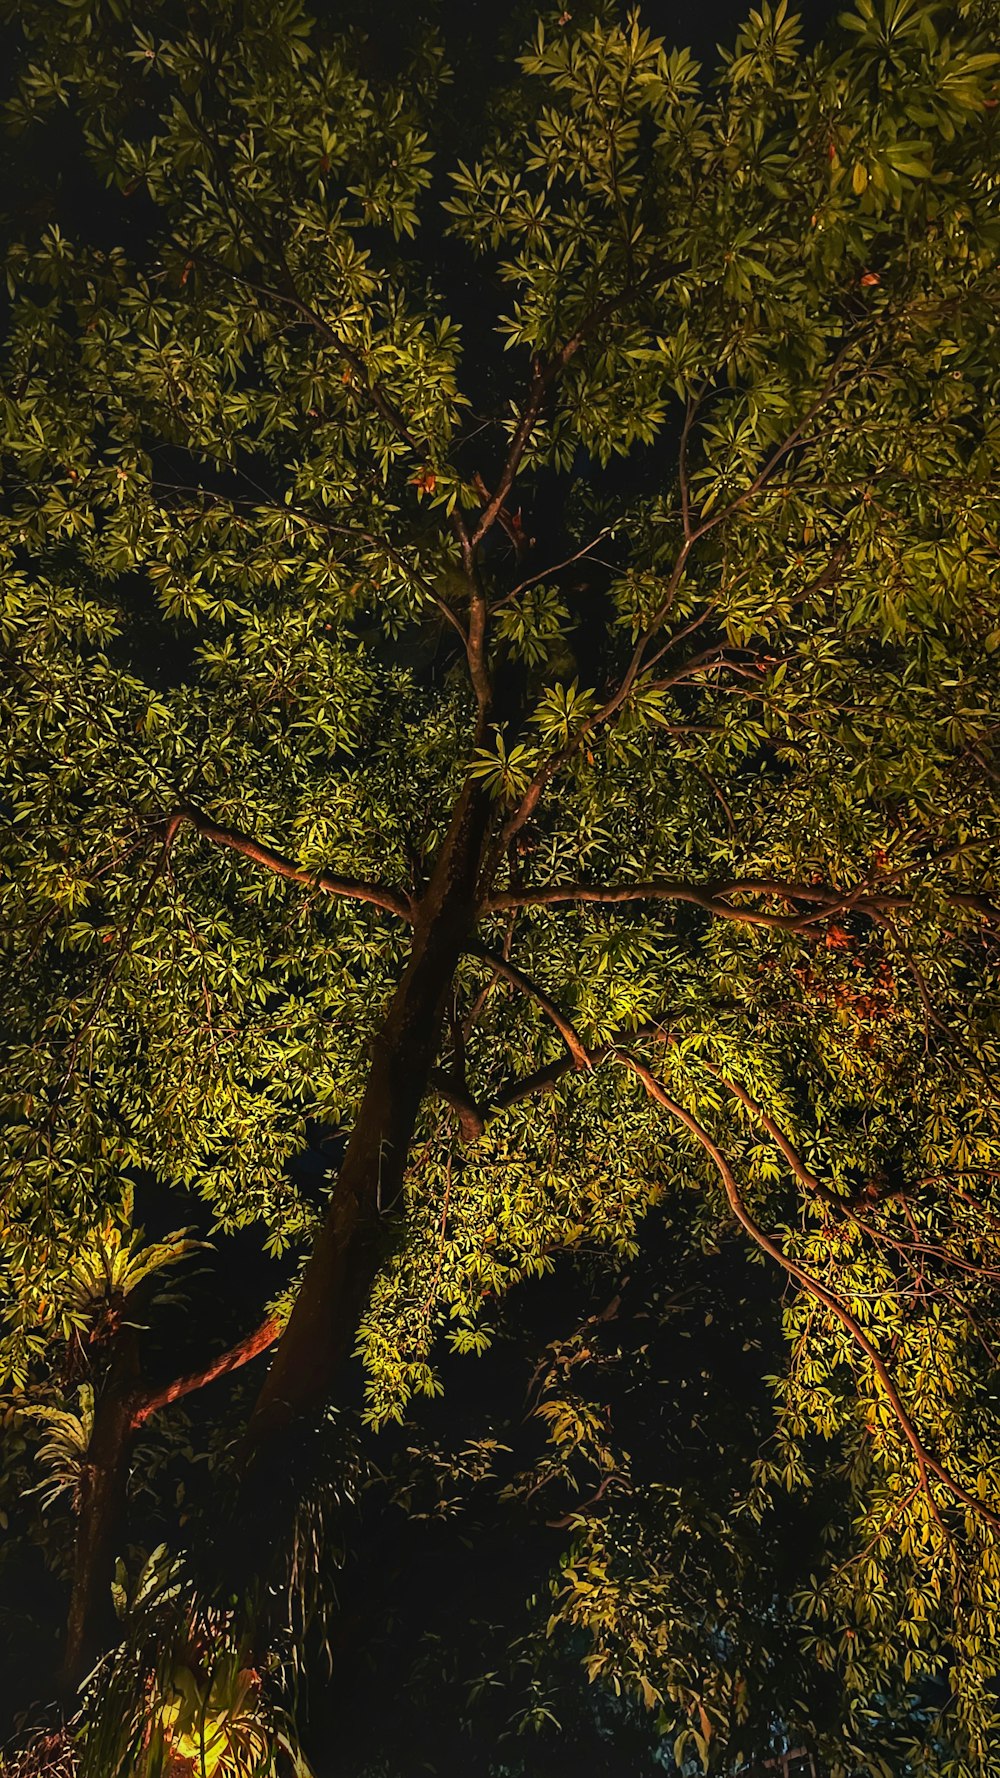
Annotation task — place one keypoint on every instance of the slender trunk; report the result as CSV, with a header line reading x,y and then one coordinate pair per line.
x,y
349,1248
124,1407
90,1624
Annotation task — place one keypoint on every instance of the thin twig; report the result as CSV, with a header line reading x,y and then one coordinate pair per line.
x,y
556,568
927,1464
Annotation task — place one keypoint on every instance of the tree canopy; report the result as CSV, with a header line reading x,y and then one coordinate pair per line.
x,y
500,693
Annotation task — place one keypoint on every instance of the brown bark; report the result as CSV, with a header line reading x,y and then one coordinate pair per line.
x,y
349,1248
334,1292
90,1621
240,1354
121,1410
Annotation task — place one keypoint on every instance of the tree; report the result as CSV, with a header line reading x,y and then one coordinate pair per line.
x,y
549,750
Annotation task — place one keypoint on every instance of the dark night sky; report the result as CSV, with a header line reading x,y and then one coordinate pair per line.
x,y
698,24
45,180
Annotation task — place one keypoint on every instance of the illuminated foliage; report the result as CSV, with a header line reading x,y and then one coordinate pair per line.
x,y
551,750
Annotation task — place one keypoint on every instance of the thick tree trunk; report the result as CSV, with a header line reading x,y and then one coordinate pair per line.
x,y
337,1283
90,1624
350,1246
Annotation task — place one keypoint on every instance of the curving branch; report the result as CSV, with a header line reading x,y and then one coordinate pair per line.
x,y
704,524
395,555
817,901
927,1464
543,375
380,895
240,1354
803,1174
528,1086
977,904
540,1080
714,898
502,966
844,1206
471,1117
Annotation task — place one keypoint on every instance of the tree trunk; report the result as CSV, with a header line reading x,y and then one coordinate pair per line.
x,y
349,1248
90,1625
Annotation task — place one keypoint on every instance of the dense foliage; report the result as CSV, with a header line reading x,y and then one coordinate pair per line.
x,y
500,687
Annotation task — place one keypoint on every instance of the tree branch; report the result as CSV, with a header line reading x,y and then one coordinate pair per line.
x,y
380,895
926,1463
842,1205
542,377
475,1011
803,1174
291,299
475,647
692,535
471,1117
382,543
542,1080
502,966
712,897
556,568
780,451
240,1354
693,404
527,1086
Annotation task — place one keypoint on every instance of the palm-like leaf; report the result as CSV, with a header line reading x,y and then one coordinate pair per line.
x,y
63,1449
114,1262
219,1725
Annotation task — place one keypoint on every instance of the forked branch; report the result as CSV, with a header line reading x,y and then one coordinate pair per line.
x,y
927,1464
695,528
543,376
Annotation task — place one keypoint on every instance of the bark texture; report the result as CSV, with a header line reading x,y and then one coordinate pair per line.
x,y
337,1282
90,1623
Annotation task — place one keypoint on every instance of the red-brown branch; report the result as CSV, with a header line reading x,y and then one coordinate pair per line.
x,y
502,966
712,897
240,1354
543,1080
827,901
471,1117
543,375
802,1172
926,1463
846,1207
